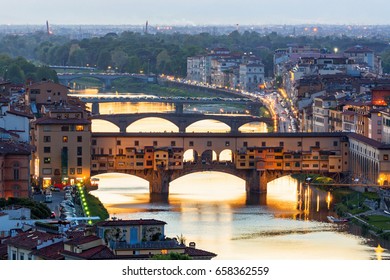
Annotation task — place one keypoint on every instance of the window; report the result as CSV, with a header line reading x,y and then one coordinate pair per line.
x,y
281,143
120,151
79,162
79,171
46,160
79,151
379,131
118,142
102,151
65,128
79,128
16,171
155,143
71,171
65,139
227,143
191,144
46,150
263,144
245,144
385,157
317,143
94,142
46,171
46,139
209,143
110,151
80,139
335,143
380,122
173,143
46,128
136,143
299,144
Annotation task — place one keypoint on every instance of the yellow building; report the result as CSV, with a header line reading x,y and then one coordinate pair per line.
x,y
62,139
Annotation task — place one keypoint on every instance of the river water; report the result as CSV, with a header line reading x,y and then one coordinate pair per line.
x,y
212,210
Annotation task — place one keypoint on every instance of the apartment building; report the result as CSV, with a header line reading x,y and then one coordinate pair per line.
x,y
62,139
15,168
46,92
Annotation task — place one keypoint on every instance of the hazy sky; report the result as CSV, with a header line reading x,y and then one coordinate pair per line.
x,y
195,11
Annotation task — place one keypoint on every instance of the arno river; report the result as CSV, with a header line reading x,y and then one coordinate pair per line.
x,y
212,210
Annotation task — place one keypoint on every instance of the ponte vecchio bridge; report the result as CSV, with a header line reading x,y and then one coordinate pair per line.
x,y
257,158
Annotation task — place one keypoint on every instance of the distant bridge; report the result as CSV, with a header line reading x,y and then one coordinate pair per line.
x,y
106,78
182,121
252,106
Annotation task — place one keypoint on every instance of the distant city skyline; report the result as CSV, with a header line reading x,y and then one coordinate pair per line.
x,y
199,12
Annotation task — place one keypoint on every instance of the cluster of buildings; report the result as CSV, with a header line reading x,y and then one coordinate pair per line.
x,y
25,239
225,69
45,139
344,91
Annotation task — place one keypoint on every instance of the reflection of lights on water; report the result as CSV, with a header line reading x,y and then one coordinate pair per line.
x,y
378,251
328,200
318,203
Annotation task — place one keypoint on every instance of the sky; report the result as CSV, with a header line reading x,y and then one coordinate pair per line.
x,y
195,12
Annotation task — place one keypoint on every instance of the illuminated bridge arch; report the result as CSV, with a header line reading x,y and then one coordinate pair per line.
x,y
198,126
152,124
99,125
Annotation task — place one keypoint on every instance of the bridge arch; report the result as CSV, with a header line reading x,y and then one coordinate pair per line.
x,y
226,156
199,189
205,126
99,125
152,124
190,155
208,157
253,127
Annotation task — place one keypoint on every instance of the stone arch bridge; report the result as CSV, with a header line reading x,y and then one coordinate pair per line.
x,y
182,121
255,181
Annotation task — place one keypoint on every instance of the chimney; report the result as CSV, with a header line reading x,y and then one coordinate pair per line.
x,y
192,245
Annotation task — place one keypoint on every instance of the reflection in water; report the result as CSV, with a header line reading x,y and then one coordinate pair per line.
x,y
212,209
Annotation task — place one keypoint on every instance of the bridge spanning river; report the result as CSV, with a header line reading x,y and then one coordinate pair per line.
x,y
255,157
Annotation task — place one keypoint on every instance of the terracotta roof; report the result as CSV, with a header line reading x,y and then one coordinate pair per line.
x,y
31,239
193,252
358,49
52,252
369,141
100,252
19,113
82,240
49,120
16,148
131,222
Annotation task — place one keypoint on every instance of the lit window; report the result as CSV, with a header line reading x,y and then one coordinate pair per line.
x,y
79,128
65,139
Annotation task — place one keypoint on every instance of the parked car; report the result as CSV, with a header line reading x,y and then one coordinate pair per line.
x,y
54,189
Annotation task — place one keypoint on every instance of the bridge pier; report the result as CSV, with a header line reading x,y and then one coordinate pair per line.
x,y
159,182
256,182
95,108
179,108
107,84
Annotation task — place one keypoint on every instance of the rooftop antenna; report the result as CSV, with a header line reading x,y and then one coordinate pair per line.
x,y
146,27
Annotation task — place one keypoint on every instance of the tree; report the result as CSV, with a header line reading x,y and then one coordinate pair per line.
x,y
15,74
119,59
